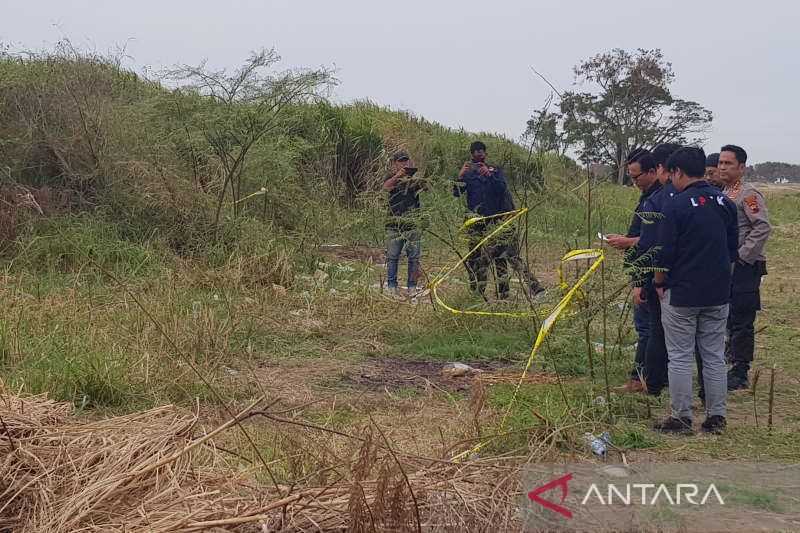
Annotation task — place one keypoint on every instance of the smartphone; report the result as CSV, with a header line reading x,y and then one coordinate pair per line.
x,y
410,171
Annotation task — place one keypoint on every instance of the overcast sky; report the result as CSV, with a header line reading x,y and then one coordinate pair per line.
x,y
464,62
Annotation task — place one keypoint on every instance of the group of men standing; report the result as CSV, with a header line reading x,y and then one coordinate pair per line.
x,y
696,254
695,251
486,194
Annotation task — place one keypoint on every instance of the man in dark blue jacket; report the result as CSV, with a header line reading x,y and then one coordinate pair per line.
x,y
655,357
642,171
487,194
698,239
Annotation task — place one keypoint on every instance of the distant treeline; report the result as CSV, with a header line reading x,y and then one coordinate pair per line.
x,y
773,170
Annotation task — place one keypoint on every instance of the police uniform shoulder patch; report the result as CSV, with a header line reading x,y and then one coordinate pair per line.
x,y
752,203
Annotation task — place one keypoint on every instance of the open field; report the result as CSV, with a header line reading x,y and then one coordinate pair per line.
x,y
337,357
194,333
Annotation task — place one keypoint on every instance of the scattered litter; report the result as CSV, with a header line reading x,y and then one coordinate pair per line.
x,y
455,370
231,371
599,347
600,400
333,291
599,445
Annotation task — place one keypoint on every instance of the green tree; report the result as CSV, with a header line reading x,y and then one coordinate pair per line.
x,y
231,112
624,102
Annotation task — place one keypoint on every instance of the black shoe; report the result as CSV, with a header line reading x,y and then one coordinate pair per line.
x,y
737,381
535,289
714,424
675,426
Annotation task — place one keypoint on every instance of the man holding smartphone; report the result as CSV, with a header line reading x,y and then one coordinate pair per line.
x,y
402,230
487,194
642,171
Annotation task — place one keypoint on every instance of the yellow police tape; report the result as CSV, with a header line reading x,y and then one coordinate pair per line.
x,y
547,324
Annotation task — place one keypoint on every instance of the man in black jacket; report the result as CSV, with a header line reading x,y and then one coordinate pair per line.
x,y
698,238
402,231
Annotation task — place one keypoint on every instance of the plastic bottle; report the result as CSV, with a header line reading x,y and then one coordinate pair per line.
x,y
599,445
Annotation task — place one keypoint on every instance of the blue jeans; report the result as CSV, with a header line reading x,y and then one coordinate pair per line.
x,y
396,241
641,322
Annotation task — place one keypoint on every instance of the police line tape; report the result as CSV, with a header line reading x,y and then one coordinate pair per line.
x,y
547,324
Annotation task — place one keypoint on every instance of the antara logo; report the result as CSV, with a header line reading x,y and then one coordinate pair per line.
x,y
684,492
628,494
563,483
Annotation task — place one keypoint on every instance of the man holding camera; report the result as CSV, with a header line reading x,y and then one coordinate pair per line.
x,y
487,194
402,231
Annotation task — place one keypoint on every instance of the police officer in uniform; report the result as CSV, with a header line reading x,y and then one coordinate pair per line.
x,y
754,230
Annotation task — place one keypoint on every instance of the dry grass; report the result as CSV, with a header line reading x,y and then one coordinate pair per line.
x,y
158,470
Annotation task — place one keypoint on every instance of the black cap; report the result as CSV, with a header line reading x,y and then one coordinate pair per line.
x,y
712,160
400,155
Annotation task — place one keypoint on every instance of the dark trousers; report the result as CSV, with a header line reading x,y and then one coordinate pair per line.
x,y
641,322
655,357
745,302
478,267
501,252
